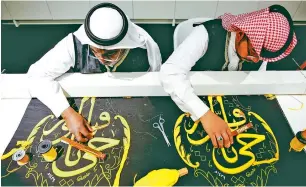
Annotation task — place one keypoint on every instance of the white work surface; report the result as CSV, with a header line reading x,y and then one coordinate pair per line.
x,y
294,110
148,84
15,96
11,113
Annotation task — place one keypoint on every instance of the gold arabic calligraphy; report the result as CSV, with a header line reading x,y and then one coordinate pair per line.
x,y
245,149
63,169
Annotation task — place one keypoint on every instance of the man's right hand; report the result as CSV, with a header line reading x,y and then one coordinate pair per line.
x,y
77,125
215,127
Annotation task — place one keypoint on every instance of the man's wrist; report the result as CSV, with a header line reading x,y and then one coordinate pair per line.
x,y
66,112
205,116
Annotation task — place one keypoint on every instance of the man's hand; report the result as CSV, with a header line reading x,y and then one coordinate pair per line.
x,y
77,125
304,134
215,127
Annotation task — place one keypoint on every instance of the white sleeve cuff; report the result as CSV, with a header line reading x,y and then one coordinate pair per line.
x,y
197,108
58,104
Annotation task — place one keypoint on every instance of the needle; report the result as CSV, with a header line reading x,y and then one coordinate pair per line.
x,y
297,64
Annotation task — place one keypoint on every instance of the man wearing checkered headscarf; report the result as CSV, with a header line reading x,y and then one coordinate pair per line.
x,y
267,29
225,44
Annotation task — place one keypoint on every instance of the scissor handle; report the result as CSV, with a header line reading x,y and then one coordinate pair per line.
x,y
161,120
156,125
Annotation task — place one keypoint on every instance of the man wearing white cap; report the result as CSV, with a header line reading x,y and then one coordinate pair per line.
x,y
224,44
108,41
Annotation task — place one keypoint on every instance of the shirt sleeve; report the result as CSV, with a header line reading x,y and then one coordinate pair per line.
x,y
174,73
263,66
43,73
153,52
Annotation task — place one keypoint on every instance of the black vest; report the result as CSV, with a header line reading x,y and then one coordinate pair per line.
x,y
214,58
135,61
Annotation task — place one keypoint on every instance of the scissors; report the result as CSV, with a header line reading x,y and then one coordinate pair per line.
x,y
160,127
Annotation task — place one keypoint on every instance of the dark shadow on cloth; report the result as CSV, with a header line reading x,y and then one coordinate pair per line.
x,y
59,149
30,156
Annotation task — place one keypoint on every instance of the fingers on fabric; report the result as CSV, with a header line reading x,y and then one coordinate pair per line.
x,y
85,133
80,138
213,140
220,141
229,132
89,127
226,139
85,130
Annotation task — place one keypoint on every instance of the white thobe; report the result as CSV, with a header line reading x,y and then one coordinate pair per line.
x,y
174,72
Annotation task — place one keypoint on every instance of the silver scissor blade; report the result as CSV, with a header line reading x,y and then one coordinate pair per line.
x,y
166,138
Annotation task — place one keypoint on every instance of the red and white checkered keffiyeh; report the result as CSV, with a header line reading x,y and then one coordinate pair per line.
x,y
264,29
